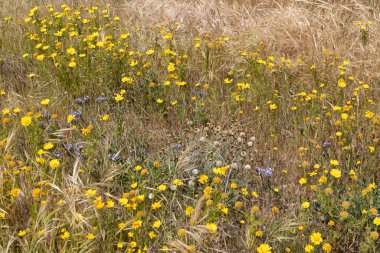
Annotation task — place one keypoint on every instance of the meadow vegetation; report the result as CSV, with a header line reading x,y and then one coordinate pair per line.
x,y
189,126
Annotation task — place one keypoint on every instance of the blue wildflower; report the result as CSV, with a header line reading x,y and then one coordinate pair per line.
x,y
79,101
57,154
326,144
100,99
268,171
78,150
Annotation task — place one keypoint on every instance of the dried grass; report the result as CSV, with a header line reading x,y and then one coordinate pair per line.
x,y
291,28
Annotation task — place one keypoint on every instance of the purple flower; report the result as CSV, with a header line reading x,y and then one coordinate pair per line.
x,y
326,144
77,113
267,171
78,151
199,92
68,146
113,157
45,114
100,99
177,145
79,101
57,154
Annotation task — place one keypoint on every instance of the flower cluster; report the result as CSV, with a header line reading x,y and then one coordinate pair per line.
x,y
164,142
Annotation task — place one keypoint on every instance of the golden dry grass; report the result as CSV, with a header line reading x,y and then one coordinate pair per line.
x,y
290,28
